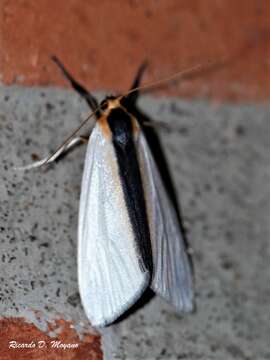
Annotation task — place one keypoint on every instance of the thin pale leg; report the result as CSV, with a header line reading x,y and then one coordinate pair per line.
x,y
159,125
73,142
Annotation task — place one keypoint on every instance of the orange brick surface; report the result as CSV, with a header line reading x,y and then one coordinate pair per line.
x,y
103,42
41,346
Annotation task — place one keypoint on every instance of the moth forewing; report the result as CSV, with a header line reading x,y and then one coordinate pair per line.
x,y
110,276
172,275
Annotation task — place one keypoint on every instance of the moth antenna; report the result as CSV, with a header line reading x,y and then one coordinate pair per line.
x,y
168,78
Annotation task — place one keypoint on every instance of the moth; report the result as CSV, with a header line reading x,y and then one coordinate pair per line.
x,y
129,237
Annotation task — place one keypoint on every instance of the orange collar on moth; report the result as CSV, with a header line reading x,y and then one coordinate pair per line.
x,y
111,104
103,123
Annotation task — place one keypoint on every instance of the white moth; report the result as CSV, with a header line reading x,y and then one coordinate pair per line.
x,y
129,236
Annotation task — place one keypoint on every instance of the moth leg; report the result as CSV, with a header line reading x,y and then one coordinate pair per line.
x,y
86,95
158,125
162,126
73,142
138,77
130,99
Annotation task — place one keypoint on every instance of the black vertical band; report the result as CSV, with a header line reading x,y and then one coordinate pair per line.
x,y
129,171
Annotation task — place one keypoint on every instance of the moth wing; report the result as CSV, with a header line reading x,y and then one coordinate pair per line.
x,y
110,279
172,277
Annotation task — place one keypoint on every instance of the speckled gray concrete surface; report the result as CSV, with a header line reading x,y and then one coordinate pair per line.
x,y
219,157
39,208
